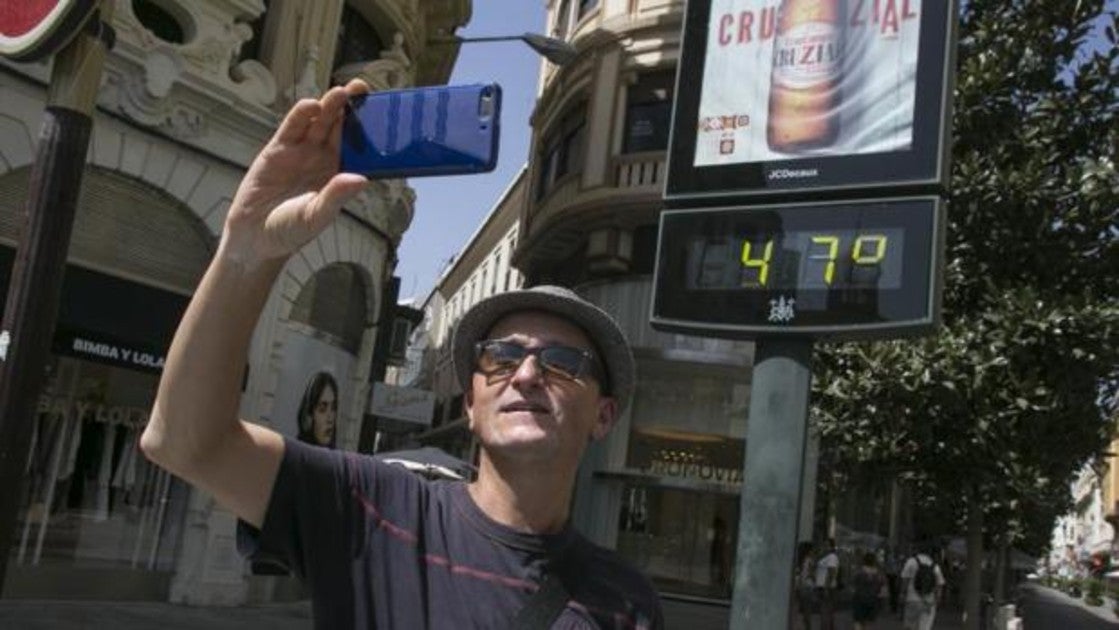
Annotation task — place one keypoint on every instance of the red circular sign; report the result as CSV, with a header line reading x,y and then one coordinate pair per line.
x,y
33,29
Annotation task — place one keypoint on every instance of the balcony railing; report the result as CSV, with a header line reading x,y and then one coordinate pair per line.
x,y
640,170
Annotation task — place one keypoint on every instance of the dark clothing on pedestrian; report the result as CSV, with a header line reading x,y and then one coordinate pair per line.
x,y
379,547
865,601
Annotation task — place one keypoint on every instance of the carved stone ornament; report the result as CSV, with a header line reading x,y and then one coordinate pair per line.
x,y
145,96
255,81
211,54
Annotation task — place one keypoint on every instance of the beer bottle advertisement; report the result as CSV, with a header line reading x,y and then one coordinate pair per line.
x,y
789,79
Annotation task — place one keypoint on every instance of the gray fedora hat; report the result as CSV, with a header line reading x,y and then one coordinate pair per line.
x,y
609,341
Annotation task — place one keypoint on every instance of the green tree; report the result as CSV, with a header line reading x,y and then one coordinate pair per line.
x,y
990,418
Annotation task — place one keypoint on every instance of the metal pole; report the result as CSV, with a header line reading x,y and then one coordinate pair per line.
x,y
768,519
31,308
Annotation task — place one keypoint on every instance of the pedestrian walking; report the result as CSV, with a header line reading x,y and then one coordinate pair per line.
x,y
892,566
827,584
544,373
922,582
869,587
805,587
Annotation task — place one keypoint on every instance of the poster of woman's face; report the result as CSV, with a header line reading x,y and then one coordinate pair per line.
x,y
311,396
318,410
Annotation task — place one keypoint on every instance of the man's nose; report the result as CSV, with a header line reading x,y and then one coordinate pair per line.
x,y
529,371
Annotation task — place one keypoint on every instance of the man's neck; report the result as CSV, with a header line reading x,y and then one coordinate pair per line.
x,y
531,499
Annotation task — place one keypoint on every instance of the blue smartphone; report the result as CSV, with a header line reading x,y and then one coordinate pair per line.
x,y
441,130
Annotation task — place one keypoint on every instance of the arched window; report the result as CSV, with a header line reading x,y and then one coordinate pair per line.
x,y
333,302
164,22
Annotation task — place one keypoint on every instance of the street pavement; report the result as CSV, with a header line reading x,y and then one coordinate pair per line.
x,y
690,616
1042,608
95,615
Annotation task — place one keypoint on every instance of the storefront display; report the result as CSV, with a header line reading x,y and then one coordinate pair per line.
x,y
91,499
678,515
95,515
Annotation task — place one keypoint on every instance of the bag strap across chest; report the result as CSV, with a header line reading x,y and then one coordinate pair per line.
x,y
544,607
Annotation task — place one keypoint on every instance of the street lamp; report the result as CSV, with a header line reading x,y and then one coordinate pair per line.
x,y
555,50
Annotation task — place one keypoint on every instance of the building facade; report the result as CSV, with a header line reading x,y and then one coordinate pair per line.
x,y
190,93
1087,533
483,268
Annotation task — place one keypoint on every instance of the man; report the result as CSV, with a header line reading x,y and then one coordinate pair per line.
x,y
827,585
544,373
922,582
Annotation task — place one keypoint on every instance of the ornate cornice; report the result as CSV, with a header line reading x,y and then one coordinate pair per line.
x,y
195,91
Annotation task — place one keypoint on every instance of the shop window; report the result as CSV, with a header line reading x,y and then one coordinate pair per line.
x,y
358,41
678,516
161,20
89,498
648,113
563,150
685,541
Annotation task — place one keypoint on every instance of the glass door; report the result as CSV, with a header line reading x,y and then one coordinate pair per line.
x,y
685,540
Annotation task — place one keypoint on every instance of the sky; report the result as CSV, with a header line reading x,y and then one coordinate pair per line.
x,y
449,209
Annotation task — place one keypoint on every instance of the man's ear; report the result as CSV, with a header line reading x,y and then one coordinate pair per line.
x,y
607,416
468,405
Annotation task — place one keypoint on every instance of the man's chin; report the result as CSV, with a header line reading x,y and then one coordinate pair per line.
x,y
522,444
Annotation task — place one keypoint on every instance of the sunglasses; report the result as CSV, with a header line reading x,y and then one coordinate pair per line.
x,y
501,358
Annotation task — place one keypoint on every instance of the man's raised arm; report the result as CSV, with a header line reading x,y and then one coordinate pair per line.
x,y
290,193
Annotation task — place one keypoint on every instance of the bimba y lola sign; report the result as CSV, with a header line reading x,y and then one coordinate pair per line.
x,y
31,30
807,160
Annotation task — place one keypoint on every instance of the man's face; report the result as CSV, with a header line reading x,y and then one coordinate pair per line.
x,y
530,414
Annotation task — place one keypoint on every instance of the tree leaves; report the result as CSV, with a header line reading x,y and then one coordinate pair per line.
x,y
1019,388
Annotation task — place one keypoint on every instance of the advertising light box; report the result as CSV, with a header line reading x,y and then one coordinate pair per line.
x,y
786,97
844,269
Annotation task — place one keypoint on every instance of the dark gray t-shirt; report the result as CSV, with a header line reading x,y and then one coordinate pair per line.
x,y
380,547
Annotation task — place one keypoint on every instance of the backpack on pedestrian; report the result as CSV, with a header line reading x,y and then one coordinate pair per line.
x,y
924,581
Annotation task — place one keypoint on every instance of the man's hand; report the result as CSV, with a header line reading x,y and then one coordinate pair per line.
x,y
293,189
290,193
